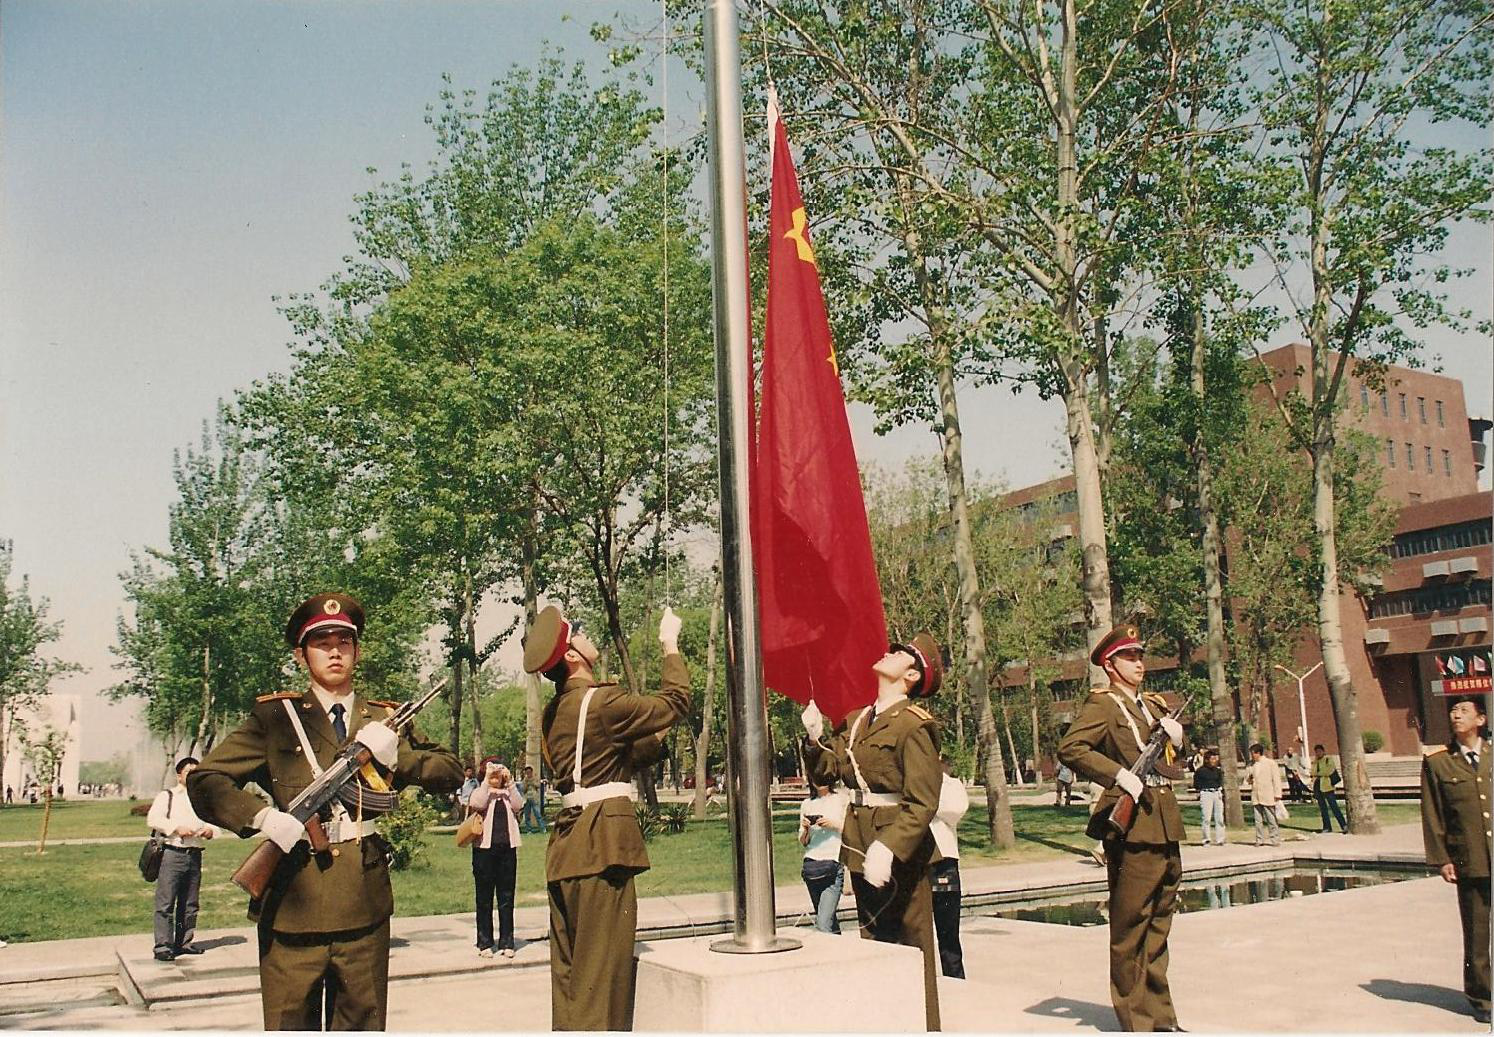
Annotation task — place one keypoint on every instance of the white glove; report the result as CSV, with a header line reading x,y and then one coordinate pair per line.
x,y
814,721
878,867
282,829
669,630
1130,783
1174,730
379,740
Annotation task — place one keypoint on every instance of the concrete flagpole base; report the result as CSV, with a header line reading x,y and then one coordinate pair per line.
x,y
833,984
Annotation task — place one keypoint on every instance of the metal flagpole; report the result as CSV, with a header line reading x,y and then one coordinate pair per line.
x,y
747,715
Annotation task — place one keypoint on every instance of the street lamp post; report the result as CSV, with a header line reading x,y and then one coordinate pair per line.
x,y
1301,701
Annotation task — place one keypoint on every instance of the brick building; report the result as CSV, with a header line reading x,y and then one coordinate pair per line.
x,y
1425,634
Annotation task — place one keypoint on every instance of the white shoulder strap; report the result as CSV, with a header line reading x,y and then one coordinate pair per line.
x,y
1140,742
306,750
581,736
851,750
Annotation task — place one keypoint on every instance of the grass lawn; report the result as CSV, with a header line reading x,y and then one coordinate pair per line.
x,y
72,819
74,891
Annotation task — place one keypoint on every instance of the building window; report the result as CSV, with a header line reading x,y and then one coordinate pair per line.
x,y
1428,458
1421,408
1385,404
1440,422
1457,537
1447,462
1364,398
1390,452
1439,598
1410,458
1404,417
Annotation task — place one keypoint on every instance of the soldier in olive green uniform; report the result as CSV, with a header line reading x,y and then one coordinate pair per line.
x,y
1455,808
324,921
595,735
1145,865
887,756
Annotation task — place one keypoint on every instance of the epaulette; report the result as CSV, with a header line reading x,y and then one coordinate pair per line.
x,y
1155,699
384,704
1433,750
920,712
278,695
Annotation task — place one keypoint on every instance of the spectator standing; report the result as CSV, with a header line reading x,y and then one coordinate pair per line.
x,y
1208,782
459,800
534,809
180,877
944,875
1296,775
10,794
821,818
1324,779
495,856
1064,779
1265,793
1455,827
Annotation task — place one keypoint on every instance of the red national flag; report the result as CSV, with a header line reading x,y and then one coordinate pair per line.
x,y
821,605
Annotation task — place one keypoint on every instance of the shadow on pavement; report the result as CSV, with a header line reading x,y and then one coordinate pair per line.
x,y
1419,994
1082,1013
222,941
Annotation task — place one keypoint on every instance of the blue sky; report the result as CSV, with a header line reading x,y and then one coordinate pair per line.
x,y
167,168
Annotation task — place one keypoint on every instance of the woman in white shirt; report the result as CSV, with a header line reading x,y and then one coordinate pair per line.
x,y
495,855
821,818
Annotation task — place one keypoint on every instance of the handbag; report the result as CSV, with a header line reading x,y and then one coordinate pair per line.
x,y
1282,814
470,830
154,849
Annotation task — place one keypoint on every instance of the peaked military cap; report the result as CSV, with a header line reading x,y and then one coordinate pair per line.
x,y
929,659
1118,640
324,610
547,640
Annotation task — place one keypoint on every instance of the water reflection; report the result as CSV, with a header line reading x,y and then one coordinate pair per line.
x,y
1215,893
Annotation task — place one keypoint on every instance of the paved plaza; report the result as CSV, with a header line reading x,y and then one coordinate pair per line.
x,y
1380,959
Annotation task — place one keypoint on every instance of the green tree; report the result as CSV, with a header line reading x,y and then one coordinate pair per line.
x,y
45,750
1369,205
26,669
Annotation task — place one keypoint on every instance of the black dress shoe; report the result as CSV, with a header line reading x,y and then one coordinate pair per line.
x,y
190,948
164,955
1481,1015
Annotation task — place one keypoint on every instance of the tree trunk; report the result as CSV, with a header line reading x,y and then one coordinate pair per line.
x,y
207,698
470,634
458,700
41,846
703,740
1037,755
1006,723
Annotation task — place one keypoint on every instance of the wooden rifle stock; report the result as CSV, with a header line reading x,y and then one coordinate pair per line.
x,y
1122,814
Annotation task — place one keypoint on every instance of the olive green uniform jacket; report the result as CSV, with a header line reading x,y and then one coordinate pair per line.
x,y
898,752
326,892
1099,744
622,732
1455,810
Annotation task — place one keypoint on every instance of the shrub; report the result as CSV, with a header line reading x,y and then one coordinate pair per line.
x,y
404,828
1374,741
674,817
648,821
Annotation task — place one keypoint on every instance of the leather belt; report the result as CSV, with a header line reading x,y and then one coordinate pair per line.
x,y
1156,781
874,799
345,830
583,797
184,849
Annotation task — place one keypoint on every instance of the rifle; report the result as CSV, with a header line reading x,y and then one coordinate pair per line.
x,y
253,876
1122,813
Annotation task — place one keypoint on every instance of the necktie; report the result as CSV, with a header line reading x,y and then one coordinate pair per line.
x,y
337,723
1473,758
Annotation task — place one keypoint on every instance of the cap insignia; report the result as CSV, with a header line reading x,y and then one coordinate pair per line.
x,y
331,606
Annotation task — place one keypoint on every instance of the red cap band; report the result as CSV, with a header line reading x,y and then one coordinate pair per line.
x,y
314,622
561,644
1121,646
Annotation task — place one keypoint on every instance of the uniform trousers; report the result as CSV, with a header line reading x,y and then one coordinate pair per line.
x,y
902,912
1473,906
1143,893
334,981
176,898
593,925
944,876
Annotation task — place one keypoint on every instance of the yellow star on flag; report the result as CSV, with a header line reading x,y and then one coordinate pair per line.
x,y
799,238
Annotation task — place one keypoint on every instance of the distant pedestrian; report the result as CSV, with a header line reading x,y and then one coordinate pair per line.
x,y
1064,779
1296,775
1455,781
1265,793
534,811
1325,778
495,856
10,794
180,877
460,797
944,875
822,815
1208,782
